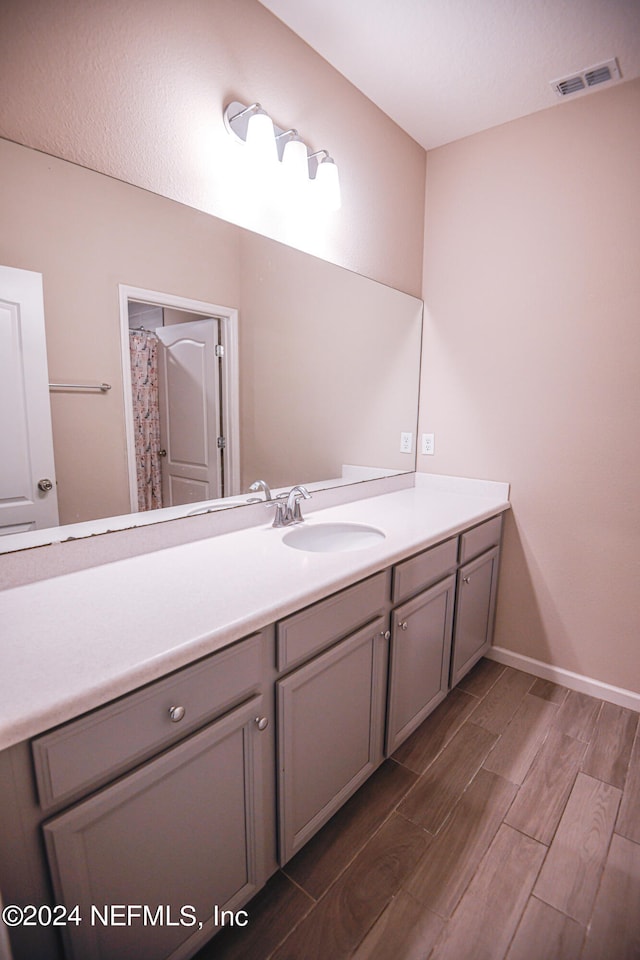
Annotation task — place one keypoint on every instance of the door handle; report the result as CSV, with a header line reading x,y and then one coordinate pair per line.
x,y
45,485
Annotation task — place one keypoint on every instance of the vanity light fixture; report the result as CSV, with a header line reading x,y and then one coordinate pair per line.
x,y
251,125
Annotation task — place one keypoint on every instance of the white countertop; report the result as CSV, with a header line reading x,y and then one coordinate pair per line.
x,y
74,642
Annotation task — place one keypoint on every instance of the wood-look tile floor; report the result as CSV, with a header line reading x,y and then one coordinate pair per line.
x,y
507,827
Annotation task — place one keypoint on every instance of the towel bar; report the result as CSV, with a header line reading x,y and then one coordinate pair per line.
x,y
102,387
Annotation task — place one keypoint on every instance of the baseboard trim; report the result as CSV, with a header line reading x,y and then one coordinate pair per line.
x,y
575,681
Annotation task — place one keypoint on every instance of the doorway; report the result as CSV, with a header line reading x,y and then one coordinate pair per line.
x,y
182,444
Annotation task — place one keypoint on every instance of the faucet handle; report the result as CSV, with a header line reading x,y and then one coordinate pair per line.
x,y
280,518
296,516
296,494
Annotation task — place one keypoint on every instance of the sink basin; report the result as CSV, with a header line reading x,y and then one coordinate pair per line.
x,y
332,537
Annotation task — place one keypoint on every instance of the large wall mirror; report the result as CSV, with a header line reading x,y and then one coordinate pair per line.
x,y
327,361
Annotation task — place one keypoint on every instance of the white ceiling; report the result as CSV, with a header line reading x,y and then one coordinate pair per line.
x,y
444,69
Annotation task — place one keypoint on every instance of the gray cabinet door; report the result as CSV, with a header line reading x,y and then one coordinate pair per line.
x,y
419,659
330,732
178,837
475,610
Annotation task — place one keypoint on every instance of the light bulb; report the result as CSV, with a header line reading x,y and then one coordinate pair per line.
x,y
261,138
295,161
328,184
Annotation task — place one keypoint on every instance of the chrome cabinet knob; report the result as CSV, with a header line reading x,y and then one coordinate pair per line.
x,y
45,485
262,723
162,453
466,579
176,714
386,634
404,625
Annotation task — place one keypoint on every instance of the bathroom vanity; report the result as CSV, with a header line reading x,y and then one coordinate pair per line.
x,y
182,762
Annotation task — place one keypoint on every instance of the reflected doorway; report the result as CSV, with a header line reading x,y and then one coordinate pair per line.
x,y
181,388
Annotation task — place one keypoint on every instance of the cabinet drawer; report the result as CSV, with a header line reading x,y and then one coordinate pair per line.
x,y
321,624
481,538
93,749
425,569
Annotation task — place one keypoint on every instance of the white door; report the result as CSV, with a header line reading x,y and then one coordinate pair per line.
x,y
189,386
26,440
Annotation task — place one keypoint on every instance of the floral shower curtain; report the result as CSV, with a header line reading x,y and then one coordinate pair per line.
x,y
143,348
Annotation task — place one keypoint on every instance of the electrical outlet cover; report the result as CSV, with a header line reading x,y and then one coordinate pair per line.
x,y
406,442
428,444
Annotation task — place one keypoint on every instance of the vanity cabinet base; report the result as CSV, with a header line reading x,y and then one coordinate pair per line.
x,y
174,812
171,842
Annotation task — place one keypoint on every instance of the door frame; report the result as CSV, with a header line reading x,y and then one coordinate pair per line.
x,y
230,382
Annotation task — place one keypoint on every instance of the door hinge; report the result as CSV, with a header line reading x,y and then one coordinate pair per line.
x,y
222,443
219,350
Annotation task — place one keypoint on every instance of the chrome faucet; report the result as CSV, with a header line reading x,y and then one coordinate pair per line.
x,y
260,485
288,512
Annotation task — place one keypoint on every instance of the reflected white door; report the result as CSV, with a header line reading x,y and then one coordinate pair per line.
x,y
189,387
26,439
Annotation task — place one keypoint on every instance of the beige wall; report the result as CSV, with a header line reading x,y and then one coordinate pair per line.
x,y
531,369
137,90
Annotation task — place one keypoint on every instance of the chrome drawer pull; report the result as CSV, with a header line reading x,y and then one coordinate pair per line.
x,y
176,714
262,723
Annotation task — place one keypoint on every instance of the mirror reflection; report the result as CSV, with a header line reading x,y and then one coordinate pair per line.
x,y
320,371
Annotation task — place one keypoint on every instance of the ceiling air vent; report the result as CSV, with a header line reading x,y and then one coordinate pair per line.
x,y
572,85
598,75
589,77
